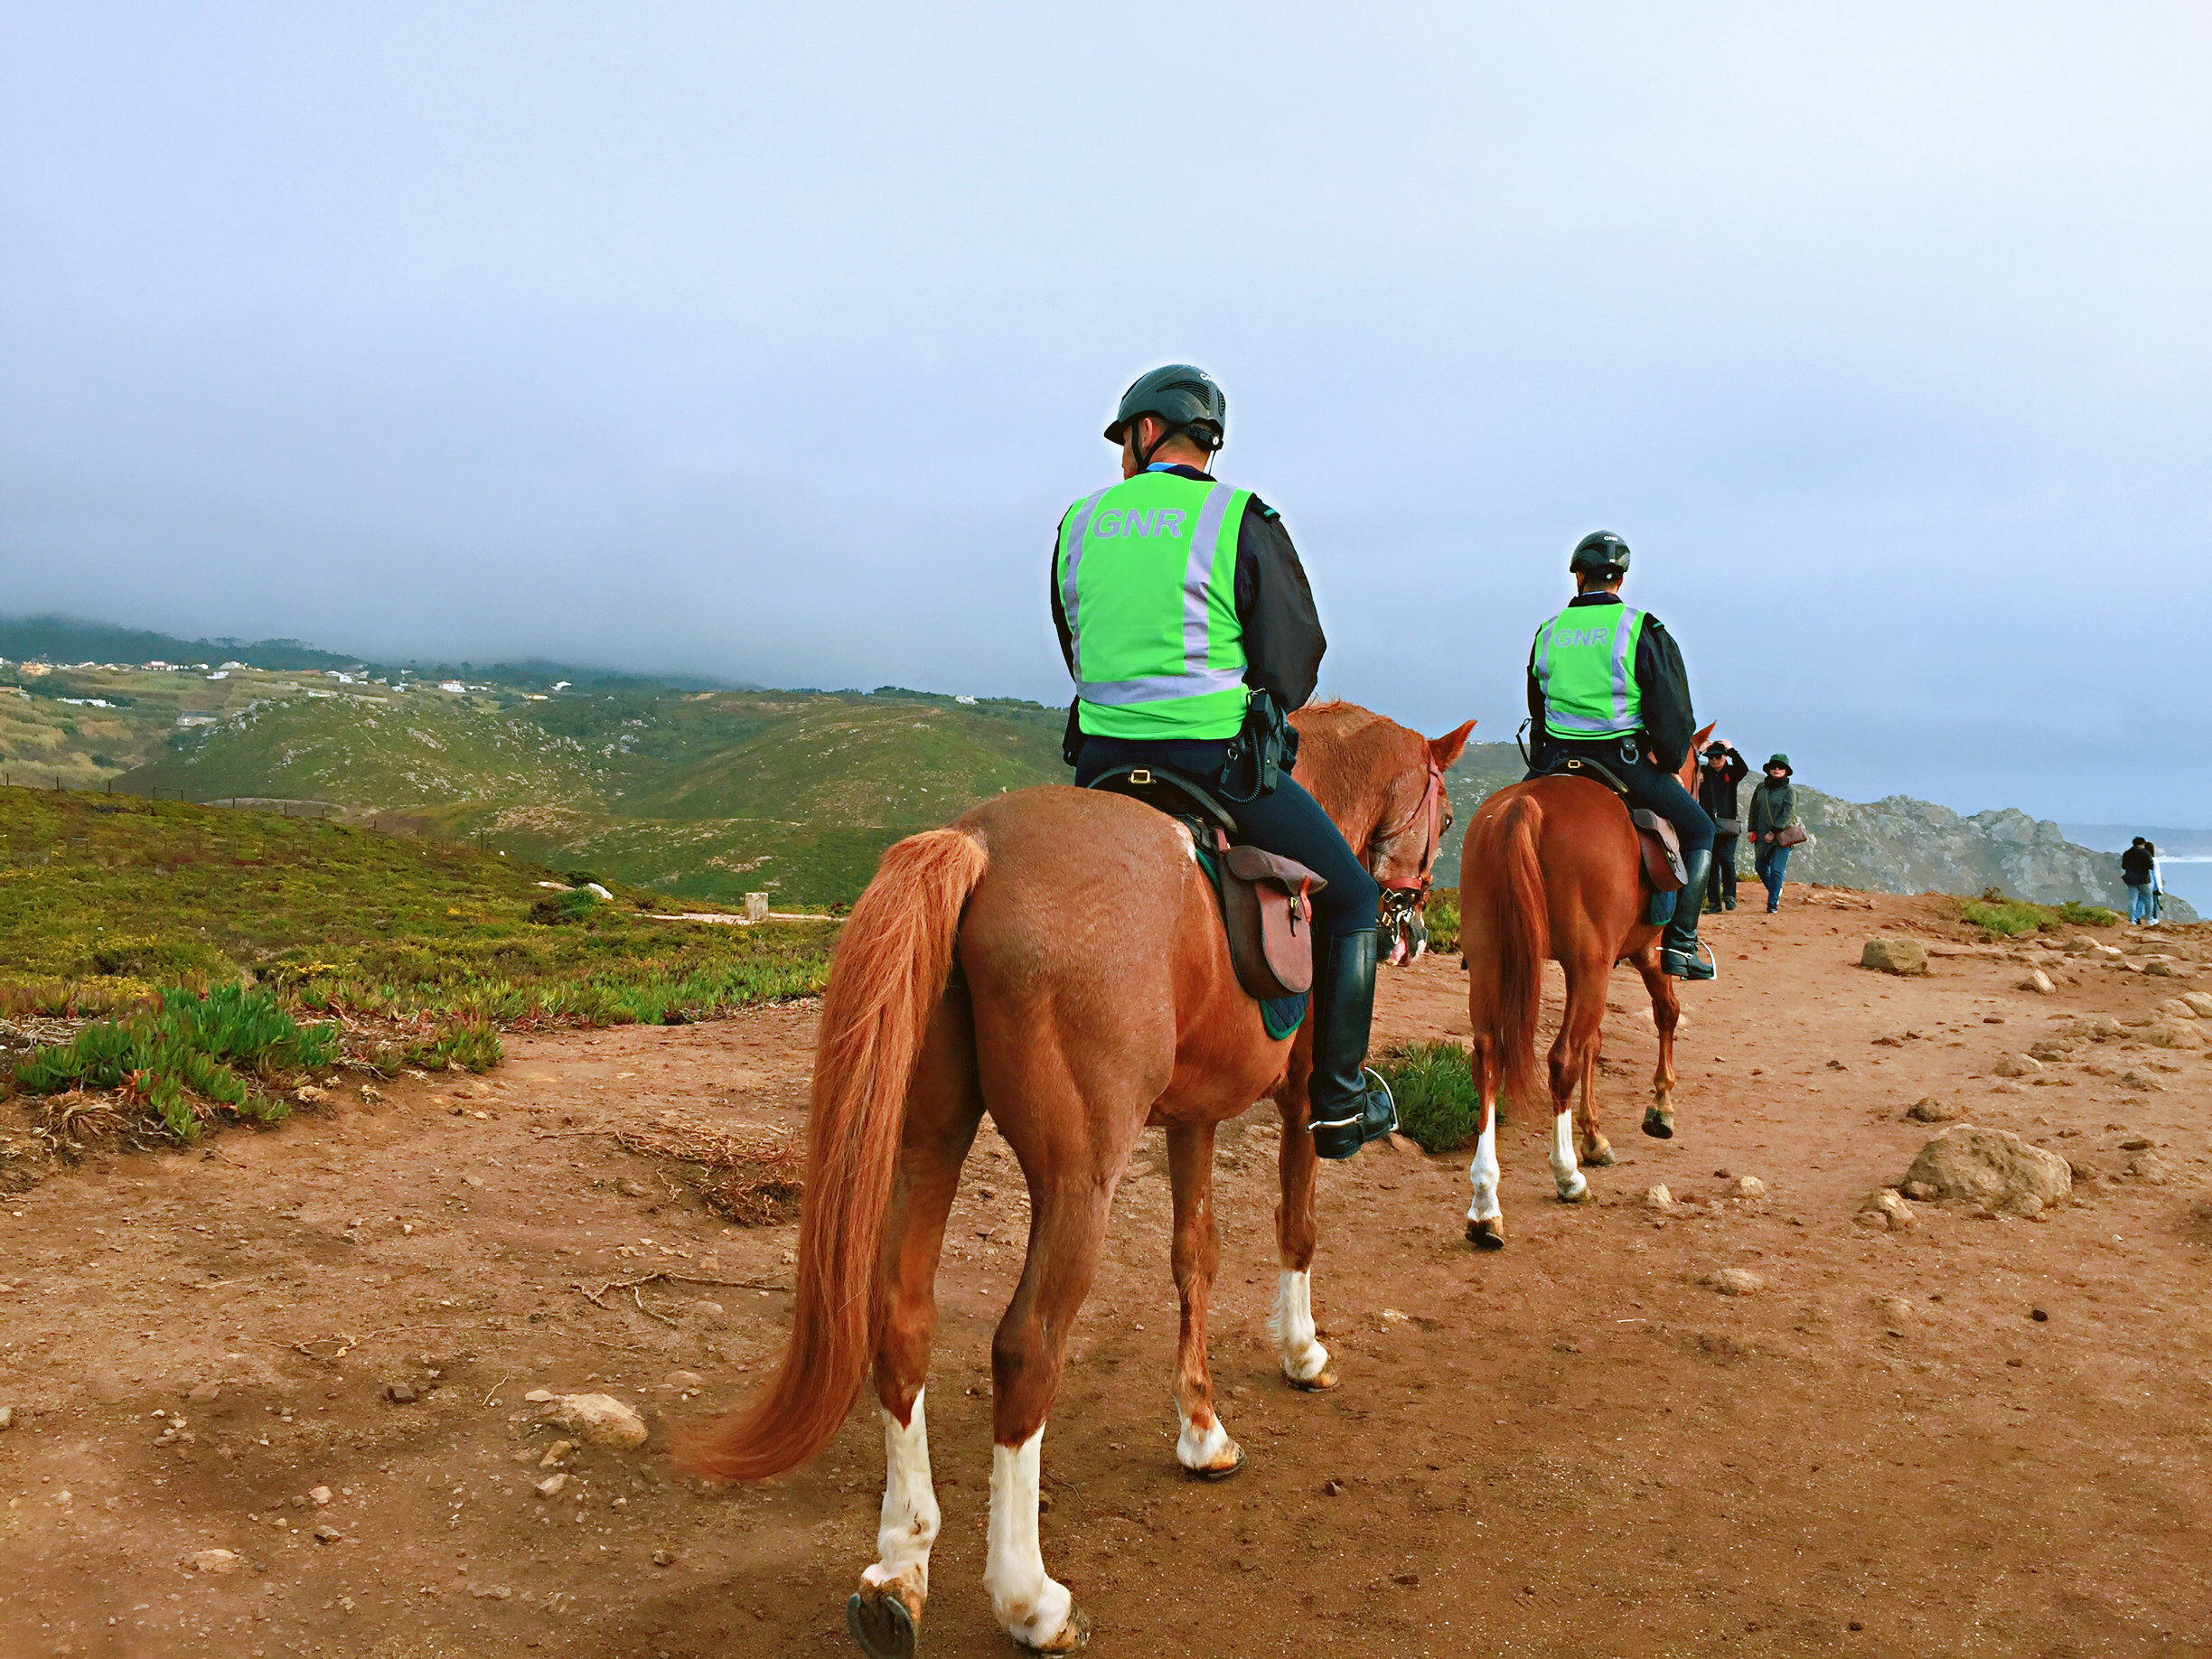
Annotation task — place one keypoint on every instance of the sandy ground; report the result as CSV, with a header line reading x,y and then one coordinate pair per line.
x,y
1572,1447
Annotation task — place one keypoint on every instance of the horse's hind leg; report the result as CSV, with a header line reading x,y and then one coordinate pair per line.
x,y
943,1110
1070,1189
1666,1014
1574,1055
1305,1362
1203,1447
1597,1151
1485,1227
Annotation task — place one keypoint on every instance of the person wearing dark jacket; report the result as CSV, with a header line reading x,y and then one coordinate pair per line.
x,y
1723,769
2137,865
1773,809
1188,625
1607,682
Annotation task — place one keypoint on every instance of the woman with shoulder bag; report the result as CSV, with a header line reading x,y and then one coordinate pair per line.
x,y
1774,827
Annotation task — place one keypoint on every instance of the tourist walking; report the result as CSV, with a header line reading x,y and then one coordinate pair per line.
x,y
1773,826
1723,769
2138,868
2138,865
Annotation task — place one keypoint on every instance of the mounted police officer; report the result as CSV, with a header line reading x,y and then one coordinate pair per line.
x,y
1607,682
1189,630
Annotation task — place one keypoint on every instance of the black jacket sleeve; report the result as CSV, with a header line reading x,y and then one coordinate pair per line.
x,y
1669,722
1535,698
1283,642
1052,583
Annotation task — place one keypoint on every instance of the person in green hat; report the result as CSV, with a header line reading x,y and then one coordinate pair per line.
x,y
1773,809
1188,625
1607,682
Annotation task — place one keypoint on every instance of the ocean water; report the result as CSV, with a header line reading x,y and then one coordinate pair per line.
x,y
2190,879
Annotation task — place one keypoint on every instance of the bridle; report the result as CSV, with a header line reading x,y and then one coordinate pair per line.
x,y
1402,899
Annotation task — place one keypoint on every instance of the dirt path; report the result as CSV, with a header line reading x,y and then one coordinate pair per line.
x,y
1570,1448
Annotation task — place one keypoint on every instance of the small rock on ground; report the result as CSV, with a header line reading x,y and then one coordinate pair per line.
x,y
601,1418
1904,956
2017,1065
1734,1281
218,1562
2039,982
1889,1204
1927,1109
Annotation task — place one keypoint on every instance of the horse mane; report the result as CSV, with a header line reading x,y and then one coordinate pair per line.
x,y
1329,736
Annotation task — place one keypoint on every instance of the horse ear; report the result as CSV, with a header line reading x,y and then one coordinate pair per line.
x,y
1445,749
1704,732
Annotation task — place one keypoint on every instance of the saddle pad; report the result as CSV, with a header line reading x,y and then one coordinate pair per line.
x,y
1663,861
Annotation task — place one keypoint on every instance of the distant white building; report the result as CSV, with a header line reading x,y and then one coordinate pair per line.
x,y
963,698
451,685
220,673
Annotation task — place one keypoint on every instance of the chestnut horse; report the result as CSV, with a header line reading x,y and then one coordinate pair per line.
x,y
1551,868
1055,958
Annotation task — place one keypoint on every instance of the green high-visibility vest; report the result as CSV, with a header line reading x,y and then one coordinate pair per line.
x,y
1585,665
1147,580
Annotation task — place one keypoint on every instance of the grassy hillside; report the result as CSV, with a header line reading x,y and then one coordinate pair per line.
x,y
104,899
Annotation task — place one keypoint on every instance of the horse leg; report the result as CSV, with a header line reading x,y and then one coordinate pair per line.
x,y
1666,1014
1486,1226
1203,1447
944,1108
1597,1151
1305,1362
1574,1054
1068,1205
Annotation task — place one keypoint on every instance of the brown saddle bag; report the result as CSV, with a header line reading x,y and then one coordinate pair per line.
x,y
1661,849
1267,905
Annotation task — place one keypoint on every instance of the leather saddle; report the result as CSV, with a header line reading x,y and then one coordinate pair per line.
x,y
1663,861
1266,900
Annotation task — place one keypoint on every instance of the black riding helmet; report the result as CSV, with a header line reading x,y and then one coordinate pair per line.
x,y
1599,553
1180,394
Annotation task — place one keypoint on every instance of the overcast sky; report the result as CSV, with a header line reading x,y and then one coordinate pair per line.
x,y
769,343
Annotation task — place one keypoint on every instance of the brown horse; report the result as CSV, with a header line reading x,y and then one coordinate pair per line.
x,y
1055,958
1551,868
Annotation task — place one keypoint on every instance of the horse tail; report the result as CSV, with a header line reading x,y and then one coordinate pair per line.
x,y
885,984
1520,924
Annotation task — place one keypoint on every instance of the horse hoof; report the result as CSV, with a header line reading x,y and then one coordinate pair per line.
x,y
1320,1382
1580,1194
1659,1125
1073,1634
1236,1467
1487,1234
1602,1157
881,1625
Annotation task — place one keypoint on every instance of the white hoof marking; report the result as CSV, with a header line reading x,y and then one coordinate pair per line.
x,y
1483,1176
1292,1325
1031,1606
910,1519
1563,1171
1201,1447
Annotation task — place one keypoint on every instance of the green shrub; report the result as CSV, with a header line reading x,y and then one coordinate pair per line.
x,y
1438,1104
2006,918
1441,913
212,1046
2078,914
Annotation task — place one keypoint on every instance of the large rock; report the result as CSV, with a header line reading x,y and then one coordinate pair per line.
x,y
2200,1000
2174,1034
1908,956
2017,1065
1994,1166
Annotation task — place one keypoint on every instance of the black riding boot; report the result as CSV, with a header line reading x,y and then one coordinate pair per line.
x,y
1678,950
1350,1105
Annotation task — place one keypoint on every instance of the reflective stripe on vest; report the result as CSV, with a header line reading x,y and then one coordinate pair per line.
x,y
1586,667
1148,583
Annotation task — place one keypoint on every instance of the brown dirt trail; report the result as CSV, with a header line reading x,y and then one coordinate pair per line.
x,y
1570,1448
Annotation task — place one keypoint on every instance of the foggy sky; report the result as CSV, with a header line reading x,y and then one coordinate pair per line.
x,y
769,344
